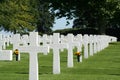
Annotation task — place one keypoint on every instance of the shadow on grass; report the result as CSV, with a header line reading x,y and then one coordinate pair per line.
x,y
114,43
40,73
115,74
22,72
45,73
44,66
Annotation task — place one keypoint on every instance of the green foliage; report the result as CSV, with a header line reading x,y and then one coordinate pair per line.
x,y
44,18
93,13
21,16
15,16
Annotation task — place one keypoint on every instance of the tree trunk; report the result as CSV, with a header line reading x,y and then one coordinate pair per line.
x,y
101,30
101,26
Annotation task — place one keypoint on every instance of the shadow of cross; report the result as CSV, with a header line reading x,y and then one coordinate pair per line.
x,y
33,49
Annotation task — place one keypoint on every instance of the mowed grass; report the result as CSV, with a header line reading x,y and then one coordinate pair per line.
x,y
104,65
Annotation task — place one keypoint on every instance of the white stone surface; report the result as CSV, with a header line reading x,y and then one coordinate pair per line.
x,y
71,45
0,41
6,55
16,41
86,40
33,49
95,44
25,40
79,39
80,58
56,46
91,45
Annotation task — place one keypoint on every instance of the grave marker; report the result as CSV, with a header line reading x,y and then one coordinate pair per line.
x,y
86,46
56,46
71,45
16,41
4,54
79,39
94,44
91,45
0,41
33,49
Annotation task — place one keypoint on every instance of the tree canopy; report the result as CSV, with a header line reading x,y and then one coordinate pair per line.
x,y
21,16
28,15
91,13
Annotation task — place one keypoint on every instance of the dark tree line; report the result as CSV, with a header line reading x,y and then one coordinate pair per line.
x,y
27,15
98,14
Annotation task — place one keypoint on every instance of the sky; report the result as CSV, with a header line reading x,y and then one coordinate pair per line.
x,y
5,33
59,24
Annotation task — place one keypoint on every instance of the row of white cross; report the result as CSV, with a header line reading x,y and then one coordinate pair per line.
x,y
4,54
31,44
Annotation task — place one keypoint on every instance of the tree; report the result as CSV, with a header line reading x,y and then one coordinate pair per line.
x,y
93,13
21,16
44,18
115,21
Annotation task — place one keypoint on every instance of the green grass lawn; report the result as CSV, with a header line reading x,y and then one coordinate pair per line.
x,y
104,65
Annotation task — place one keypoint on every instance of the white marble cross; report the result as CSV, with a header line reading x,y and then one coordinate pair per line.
x,y
56,46
5,54
86,41
25,40
80,40
2,44
33,49
95,44
91,45
71,45
44,39
0,41
16,41
7,40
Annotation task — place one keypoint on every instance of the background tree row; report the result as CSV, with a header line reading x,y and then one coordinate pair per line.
x,y
21,16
